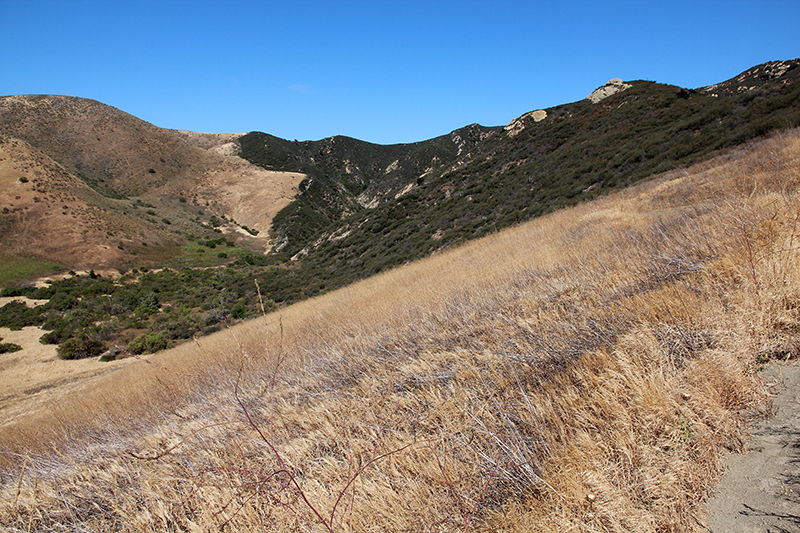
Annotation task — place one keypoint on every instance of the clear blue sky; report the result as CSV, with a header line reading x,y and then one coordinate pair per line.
x,y
385,72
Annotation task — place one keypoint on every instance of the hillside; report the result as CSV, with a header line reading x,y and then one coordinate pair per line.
x,y
354,219
782,72
305,218
584,371
45,208
152,188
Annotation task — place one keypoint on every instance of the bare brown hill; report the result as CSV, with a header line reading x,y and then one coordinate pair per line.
x,y
99,143
103,145
218,142
92,167
48,212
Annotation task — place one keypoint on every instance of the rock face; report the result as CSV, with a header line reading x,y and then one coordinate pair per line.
x,y
518,124
612,86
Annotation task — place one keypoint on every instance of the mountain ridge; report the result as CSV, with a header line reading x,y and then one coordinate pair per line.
x,y
661,128
335,185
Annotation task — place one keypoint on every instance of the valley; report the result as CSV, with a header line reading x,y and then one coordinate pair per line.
x,y
563,321
101,190
585,369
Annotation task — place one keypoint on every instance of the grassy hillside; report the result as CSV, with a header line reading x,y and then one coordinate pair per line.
x,y
580,372
92,187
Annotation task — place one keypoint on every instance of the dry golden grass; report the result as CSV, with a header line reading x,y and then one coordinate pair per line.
x,y
581,372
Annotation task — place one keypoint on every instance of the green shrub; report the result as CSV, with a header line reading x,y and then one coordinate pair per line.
x,y
239,310
57,336
15,315
16,291
9,347
148,343
62,301
80,348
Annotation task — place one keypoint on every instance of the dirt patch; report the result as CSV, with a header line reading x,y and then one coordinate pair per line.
x,y
248,194
27,301
761,489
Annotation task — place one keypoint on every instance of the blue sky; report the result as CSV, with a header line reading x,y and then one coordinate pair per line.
x,y
384,72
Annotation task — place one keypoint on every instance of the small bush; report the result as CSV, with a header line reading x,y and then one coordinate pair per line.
x,y
148,343
80,348
57,336
9,347
16,291
239,310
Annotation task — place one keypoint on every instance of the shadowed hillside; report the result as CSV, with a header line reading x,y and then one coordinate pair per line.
x,y
353,219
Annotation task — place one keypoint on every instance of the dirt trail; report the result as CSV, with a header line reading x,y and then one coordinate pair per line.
x,y
761,489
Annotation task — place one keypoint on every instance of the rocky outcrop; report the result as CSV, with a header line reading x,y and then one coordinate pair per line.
x,y
612,86
518,124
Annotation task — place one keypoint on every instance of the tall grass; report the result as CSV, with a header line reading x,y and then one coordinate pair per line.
x,y
581,372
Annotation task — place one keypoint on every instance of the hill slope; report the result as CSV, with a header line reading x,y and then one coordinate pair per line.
x,y
583,371
47,209
353,220
155,175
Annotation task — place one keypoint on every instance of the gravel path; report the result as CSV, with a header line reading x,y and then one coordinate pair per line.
x,y
761,489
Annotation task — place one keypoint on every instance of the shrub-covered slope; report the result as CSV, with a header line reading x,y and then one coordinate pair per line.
x,y
366,207
345,175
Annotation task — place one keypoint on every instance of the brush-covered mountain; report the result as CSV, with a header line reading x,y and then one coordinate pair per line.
x,y
365,207
89,186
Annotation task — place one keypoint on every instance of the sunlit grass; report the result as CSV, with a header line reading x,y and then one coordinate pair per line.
x,y
14,269
581,372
